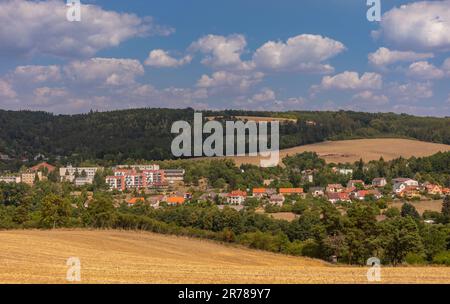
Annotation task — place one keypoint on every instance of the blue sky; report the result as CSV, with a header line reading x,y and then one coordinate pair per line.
x,y
252,54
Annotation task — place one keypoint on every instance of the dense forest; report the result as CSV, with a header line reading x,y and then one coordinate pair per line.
x,y
145,133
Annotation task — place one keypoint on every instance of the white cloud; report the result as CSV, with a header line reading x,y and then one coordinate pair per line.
x,y
369,97
48,96
221,51
37,73
421,25
6,90
351,81
30,27
104,71
424,71
411,91
162,59
225,79
446,66
265,94
301,53
384,56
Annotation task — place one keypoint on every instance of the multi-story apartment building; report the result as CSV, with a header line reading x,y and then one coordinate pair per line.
x,y
78,175
174,175
30,177
132,179
10,179
151,167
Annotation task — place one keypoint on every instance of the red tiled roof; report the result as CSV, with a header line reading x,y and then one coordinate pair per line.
x,y
290,190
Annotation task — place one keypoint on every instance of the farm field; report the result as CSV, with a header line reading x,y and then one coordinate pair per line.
x,y
421,206
352,150
32,256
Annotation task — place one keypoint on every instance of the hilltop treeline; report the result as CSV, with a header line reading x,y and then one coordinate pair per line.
x,y
145,133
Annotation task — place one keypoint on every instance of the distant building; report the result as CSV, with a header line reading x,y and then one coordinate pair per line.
x,y
262,192
276,199
43,166
174,175
127,179
10,179
343,171
400,184
317,191
175,200
363,194
86,174
433,189
353,183
139,167
290,191
334,197
379,182
334,188
236,197
30,177
134,200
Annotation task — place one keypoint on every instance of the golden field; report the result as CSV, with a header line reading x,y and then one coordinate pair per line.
x,y
31,256
352,150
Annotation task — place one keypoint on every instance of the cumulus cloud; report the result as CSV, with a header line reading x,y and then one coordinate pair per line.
x,y
30,27
411,91
424,71
221,51
104,71
6,90
36,73
301,53
369,97
45,96
421,25
384,56
351,81
225,79
265,94
161,59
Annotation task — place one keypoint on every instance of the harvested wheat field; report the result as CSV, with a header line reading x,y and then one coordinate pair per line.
x,y
32,256
421,206
352,150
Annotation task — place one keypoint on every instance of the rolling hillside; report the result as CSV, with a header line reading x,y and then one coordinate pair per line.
x,y
352,150
139,257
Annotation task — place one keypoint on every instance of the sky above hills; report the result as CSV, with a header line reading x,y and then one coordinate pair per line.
x,y
252,54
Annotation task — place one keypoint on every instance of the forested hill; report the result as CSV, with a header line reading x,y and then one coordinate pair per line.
x,y
145,133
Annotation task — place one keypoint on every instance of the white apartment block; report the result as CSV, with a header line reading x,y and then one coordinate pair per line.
x,y
84,174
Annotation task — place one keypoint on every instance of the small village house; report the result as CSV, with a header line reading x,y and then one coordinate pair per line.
x,y
236,197
334,197
276,199
317,191
379,182
334,188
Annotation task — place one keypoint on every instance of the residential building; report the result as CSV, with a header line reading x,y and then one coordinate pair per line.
x,y
263,192
236,197
343,171
409,192
334,197
379,182
134,200
126,179
433,189
30,177
149,167
10,179
82,181
69,173
174,175
317,191
399,184
175,200
290,191
363,194
355,182
43,166
334,188
276,199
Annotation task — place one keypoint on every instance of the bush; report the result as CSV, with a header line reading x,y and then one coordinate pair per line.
x,y
415,259
442,258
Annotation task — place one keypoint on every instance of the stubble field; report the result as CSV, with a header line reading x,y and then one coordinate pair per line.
x,y
32,256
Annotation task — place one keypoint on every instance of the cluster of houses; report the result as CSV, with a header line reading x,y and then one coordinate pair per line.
x,y
29,176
